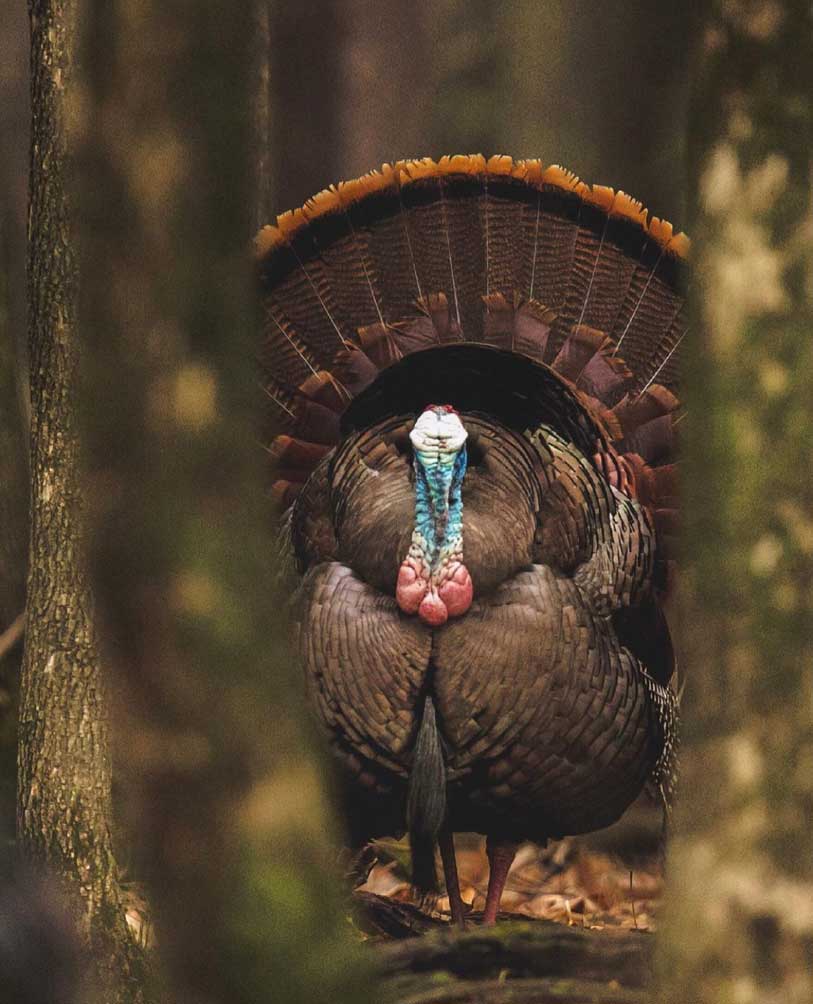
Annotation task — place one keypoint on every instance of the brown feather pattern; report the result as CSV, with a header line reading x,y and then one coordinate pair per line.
x,y
551,315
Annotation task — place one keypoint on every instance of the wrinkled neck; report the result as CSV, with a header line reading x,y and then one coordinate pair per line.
x,y
432,579
438,533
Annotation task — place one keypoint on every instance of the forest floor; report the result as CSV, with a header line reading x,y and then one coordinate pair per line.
x,y
574,926
613,878
567,882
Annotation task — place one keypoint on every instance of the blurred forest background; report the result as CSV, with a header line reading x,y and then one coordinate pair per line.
x,y
226,814
602,89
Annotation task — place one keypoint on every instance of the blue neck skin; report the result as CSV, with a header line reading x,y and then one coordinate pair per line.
x,y
439,505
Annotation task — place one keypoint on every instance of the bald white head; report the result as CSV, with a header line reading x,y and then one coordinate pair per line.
x,y
438,435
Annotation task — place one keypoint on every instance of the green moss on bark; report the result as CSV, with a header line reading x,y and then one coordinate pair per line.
x,y
741,870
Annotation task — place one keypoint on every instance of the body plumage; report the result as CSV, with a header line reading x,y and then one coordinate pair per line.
x,y
471,369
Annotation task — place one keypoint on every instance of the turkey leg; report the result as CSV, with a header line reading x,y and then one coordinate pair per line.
x,y
500,855
446,841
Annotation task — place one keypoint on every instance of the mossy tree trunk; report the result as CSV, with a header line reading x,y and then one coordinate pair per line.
x,y
741,872
225,805
64,782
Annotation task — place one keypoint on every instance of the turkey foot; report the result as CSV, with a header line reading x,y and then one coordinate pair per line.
x,y
446,841
500,854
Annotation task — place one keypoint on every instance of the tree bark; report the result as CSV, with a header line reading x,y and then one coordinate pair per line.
x,y
13,453
64,786
527,948
13,528
741,870
225,803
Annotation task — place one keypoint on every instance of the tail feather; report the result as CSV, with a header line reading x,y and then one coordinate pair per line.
x,y
502,232
519,256
383,218
345,259
622,240
554,224
422,197
426,799
464,212
653,302
588,247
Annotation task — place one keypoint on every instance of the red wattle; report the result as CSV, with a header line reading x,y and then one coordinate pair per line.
x,y
432,610
456,591
410,588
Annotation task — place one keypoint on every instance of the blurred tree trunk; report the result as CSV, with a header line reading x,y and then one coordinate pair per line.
x,y
13,403
264,208
13,393
14,156
386,84
308,40
602,89
466,113
224,795
417,80
64,786
740,913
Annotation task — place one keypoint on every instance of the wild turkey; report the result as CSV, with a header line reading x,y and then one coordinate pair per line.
x,y
470,367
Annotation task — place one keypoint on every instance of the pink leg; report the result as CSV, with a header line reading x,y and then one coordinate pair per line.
x,y
446,841
500,855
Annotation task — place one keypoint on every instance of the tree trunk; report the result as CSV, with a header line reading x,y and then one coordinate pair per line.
x,y
520,960
383,42
13,468
13,530
741,872
306,83
264,182
225,802
466,115
64,787
601,88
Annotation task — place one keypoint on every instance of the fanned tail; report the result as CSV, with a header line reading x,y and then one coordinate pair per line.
x,y
510,254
